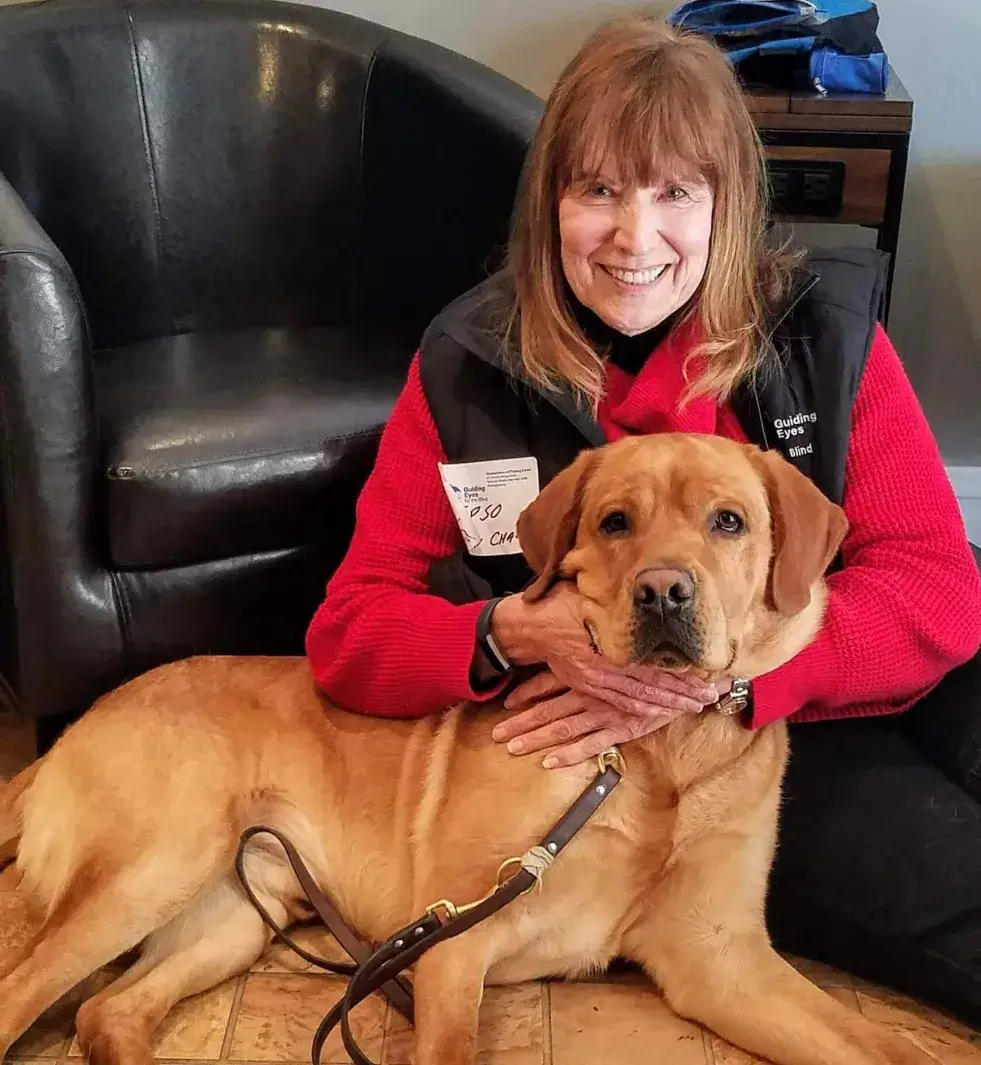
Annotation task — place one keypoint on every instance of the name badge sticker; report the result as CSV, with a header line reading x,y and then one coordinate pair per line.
x,y
487,498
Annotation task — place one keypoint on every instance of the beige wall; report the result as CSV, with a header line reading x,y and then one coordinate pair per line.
x,y
529,40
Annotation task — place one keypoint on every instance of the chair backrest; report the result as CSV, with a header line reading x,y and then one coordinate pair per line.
x,y
250,162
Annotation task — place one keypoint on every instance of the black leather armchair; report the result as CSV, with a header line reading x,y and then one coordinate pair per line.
x,y
223,227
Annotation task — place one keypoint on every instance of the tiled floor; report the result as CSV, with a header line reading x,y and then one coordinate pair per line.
x,y
270,1014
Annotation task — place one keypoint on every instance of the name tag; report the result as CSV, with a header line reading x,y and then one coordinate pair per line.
x,y
487,498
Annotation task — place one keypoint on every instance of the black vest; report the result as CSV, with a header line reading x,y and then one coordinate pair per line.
x,y
800,402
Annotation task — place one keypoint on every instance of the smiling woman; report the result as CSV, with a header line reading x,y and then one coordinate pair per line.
x,y
641,296
650,209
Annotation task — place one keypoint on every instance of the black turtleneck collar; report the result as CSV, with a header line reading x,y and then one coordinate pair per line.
x,y
628,352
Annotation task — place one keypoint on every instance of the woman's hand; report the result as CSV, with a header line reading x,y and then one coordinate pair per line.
x,y
580,714
549,630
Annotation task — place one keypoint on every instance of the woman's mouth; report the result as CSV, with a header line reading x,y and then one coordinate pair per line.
x,y
636,277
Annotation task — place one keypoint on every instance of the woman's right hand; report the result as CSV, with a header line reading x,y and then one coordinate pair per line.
x,y
580,693
550,630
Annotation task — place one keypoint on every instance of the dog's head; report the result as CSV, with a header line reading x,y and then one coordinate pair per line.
x,y
690,552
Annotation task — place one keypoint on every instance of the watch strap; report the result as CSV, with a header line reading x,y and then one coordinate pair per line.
x,y
485,639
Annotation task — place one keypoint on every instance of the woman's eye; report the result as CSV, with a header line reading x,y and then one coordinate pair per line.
x,y
727,521
599,190
677,194
614,523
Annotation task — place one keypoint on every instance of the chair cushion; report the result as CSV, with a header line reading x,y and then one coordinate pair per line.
x,y
225,444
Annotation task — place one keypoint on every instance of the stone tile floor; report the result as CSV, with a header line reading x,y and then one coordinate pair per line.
x,y
270,1014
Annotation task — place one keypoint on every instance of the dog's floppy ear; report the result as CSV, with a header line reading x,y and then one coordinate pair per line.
x,y
547,526
807,530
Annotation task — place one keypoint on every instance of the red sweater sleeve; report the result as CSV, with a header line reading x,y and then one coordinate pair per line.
x,y
906,606
379,643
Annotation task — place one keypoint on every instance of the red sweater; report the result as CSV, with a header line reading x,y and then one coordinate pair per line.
x,y
905,608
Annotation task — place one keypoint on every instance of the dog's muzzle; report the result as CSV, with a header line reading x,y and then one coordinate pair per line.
x,y
665,610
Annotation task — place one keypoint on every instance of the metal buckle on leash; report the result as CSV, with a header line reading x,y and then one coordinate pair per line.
x,y
535,861
453,911
612,757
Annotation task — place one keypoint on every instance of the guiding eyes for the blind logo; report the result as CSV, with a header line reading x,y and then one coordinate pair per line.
x,y
794,432
487,498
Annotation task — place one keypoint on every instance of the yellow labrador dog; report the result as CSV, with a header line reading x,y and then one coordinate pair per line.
x,y
126,832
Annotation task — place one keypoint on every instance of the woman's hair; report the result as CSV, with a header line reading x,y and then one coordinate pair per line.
x,y
658,104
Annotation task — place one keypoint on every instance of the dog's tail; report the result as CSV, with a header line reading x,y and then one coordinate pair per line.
x,y
10,824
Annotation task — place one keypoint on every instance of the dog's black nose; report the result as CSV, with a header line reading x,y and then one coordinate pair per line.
x,y
663,590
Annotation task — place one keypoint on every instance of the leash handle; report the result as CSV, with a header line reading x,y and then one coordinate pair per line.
x,y
398,991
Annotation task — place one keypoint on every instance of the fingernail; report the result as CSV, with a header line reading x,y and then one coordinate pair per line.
x,y
550,763
516,746
498,733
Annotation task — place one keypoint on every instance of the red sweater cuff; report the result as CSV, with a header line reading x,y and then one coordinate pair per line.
x,y
453,629
809,677
429,640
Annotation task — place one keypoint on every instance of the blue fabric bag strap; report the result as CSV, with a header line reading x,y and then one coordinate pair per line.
x,y
778,46
734,18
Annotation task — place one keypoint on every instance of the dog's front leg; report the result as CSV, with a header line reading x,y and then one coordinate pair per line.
x,y
704,942
448,985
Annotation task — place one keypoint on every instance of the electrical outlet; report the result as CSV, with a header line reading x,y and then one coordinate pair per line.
x,y
806,186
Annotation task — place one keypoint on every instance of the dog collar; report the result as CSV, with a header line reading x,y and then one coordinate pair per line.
x,y
736,700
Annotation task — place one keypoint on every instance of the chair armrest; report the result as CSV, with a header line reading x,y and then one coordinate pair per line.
x,y
48,456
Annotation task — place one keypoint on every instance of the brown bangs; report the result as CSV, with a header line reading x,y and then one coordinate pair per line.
x,y
631,128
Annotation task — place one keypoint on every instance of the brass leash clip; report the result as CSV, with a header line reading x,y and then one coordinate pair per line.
x,y
612,757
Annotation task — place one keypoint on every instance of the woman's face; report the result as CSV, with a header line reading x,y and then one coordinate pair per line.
x,y
633,256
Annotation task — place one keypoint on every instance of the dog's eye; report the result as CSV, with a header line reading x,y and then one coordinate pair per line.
x,y
614,523
727,521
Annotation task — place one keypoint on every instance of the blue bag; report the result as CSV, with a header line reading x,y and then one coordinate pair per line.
x,y
828,45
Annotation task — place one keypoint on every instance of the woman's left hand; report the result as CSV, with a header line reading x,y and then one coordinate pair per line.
x,y
574,726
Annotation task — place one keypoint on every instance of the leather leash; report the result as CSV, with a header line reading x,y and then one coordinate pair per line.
x,y
381,969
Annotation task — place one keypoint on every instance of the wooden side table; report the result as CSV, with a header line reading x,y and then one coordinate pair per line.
x,y
838,158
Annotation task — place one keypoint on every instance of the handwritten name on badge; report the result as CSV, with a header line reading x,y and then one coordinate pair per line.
x,y
487,498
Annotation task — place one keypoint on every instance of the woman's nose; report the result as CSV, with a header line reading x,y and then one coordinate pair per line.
x,y
638,229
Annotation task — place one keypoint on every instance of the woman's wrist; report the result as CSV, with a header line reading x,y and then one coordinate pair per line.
x,y
511,631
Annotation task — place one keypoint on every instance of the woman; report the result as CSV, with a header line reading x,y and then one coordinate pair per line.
x,y
640,296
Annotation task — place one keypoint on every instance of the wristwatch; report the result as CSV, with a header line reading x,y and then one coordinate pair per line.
x,y
485,640
737,700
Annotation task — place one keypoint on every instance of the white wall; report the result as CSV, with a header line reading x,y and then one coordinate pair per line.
x,y
528,40
936,321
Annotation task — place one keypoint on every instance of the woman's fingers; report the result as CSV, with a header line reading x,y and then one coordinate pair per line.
x,y
663,689
578,720
683,683
541,686
620,730
645,702
540,714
